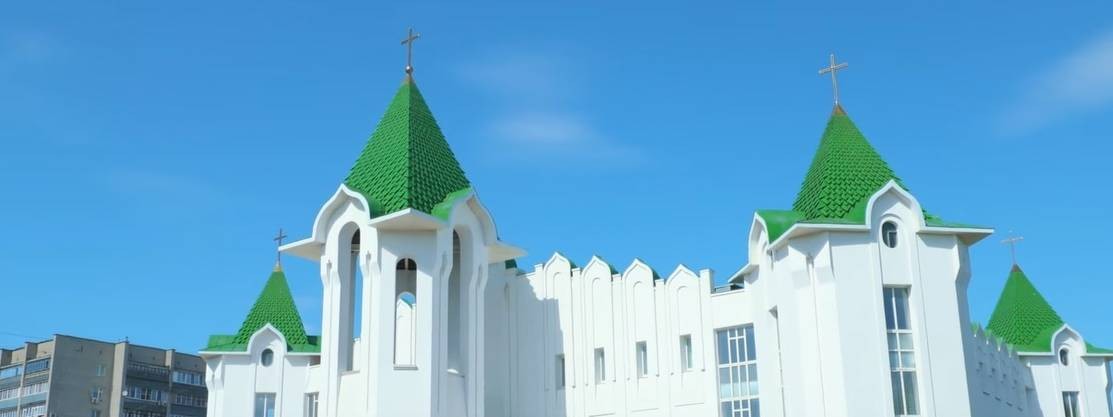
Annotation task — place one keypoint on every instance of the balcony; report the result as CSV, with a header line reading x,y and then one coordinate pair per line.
x,y
148,371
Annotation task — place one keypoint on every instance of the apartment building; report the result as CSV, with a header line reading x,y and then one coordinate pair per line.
x,y
67,376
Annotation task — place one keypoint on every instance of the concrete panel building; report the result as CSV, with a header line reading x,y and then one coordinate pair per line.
x,y
67,376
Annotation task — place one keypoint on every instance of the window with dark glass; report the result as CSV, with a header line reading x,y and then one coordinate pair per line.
x,y
889,234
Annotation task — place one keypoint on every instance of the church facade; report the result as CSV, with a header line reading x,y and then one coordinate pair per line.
x,y
853,303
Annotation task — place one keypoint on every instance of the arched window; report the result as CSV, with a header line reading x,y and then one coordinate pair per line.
x,y
1064,356
455,313
405,312
267,357
352,305
889,234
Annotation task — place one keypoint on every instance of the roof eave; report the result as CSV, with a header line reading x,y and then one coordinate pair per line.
x,y
408,219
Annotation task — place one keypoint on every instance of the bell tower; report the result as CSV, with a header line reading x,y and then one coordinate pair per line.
x,y
404,247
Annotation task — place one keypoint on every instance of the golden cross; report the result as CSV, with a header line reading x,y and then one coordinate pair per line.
x,y
409,42
1012,241
833,68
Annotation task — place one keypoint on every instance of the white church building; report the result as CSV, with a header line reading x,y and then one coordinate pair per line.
x,y
853,304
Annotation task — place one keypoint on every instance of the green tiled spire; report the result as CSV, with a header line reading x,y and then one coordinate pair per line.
x,y
275,306
845,171
407,163
1023,318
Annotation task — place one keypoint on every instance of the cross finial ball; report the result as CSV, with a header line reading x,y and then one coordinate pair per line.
x,y
409,43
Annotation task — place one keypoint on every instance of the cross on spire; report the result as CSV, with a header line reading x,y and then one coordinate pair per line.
x,y
1012,241
834,68
409,43
278,258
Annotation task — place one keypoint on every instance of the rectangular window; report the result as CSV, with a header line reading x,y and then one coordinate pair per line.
x,y
145,394
34,410
35,388
37,366
600,366
95,395
8,412
100,369
560,371
94,413
188,377
737,364
686,362
8,393
902,353
11,372
643,359
311,405
1070,404
264,405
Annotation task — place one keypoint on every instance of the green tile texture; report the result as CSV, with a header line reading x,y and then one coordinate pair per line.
x,y
275,306
407,163
845,172
1024,319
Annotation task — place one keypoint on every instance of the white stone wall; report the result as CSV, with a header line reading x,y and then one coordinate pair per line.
x,y
1000,382
235,378
558,309
1085,373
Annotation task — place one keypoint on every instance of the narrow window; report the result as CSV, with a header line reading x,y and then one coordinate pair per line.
x,y
643,359
100,369
686,362
1064,356
902,353
1070,404
267,357
889,234
405,313
264,405
737,365
600,366
456,315
310,405
560,371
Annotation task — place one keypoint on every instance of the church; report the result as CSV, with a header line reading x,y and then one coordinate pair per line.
x,y
853,303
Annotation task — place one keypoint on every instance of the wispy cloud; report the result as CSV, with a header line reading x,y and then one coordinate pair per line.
x,y
555,132
536,96
1080,82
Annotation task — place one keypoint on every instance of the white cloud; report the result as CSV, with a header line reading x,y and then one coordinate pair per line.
x,y
535,95
557,132
1080,82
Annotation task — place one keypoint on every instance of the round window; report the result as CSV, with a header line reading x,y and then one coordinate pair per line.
x,y
267,357
1064,356
889,234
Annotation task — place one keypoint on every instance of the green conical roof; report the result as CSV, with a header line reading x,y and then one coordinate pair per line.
x,y
407,163
275,306
845,171
1023,318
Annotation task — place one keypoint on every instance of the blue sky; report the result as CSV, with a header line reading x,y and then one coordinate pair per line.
x,y
150,151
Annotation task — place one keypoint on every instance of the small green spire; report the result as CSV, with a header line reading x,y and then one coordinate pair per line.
x,y
1024,318
407,163
275,306
845,171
